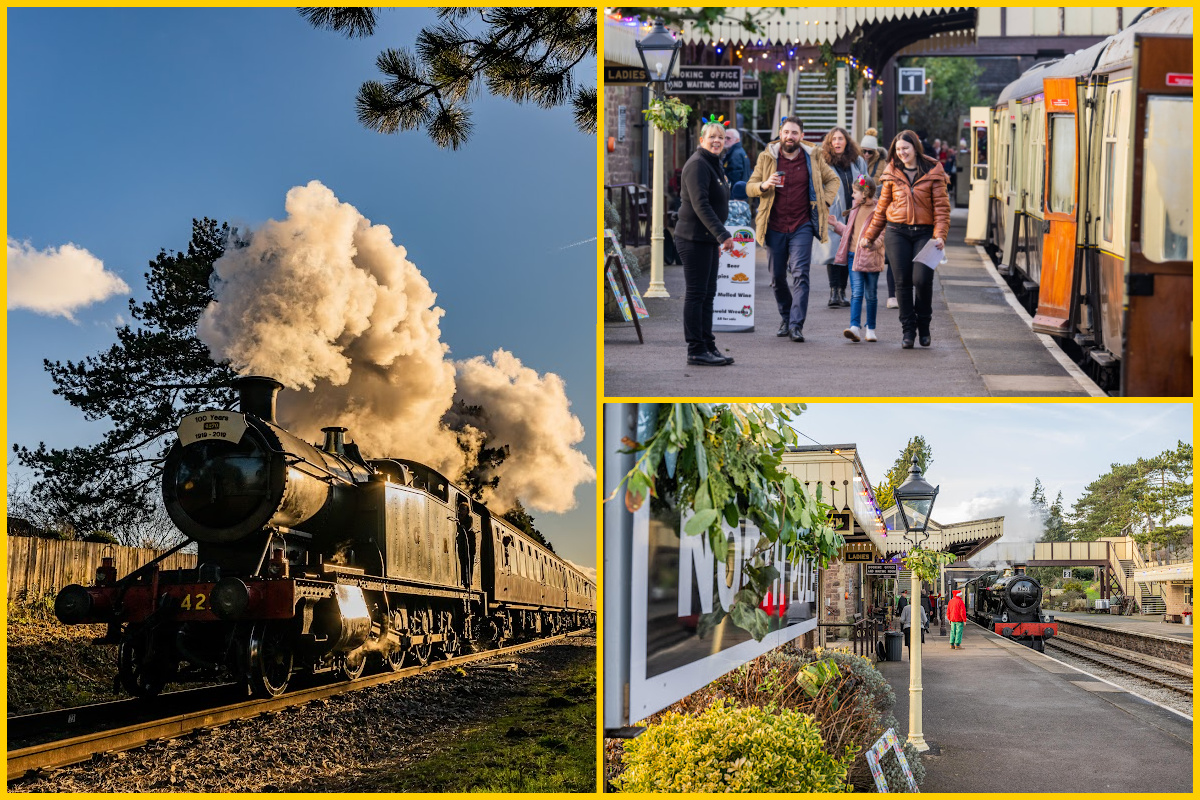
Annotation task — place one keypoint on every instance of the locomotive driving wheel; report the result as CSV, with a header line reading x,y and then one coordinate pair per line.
x,y
420,623
393,657
270,659
451,642
353,665
139,668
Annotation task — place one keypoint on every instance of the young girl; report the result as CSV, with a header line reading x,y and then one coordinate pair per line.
x,y
865,262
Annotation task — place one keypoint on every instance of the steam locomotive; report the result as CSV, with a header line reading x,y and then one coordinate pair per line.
x,y
1011,606
312,559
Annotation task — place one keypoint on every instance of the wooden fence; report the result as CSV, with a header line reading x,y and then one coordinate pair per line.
x,y
38,567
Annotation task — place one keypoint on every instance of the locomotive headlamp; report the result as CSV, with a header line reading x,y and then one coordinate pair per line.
x,y
230,597
914,500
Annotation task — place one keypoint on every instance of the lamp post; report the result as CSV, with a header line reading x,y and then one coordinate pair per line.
x,y
658,51
914,501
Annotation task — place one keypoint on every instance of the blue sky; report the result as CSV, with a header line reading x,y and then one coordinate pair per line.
x,y
124,124
987,455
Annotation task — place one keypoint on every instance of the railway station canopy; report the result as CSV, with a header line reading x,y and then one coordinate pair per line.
x,y
874,34
844,484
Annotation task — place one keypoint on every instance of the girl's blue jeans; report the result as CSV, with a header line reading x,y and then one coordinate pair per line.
x,y
862,283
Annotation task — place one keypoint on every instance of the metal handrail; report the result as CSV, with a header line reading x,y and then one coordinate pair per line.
x,y
864,634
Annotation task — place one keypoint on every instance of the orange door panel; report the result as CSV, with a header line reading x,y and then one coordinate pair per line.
x,y
1059,285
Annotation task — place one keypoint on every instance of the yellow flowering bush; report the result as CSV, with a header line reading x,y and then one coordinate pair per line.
x,y
732,749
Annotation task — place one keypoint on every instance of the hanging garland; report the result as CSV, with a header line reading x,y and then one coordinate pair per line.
x,y
668,114
724,463
926,564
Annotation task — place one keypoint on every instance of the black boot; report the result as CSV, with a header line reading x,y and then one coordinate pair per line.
x,y
833,297
831,271
842,301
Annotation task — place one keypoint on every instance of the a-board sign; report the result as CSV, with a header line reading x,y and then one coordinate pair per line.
x,y
733,307
226,426
878,750
639,306
911,80
707,80
882,570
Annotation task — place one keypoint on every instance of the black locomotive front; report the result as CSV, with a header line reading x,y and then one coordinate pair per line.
x,y
1011,605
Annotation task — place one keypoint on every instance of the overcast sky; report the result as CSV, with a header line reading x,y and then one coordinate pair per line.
x,y
124,124
987,455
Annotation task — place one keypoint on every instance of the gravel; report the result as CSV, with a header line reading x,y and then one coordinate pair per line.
x,y
341,740
1151,691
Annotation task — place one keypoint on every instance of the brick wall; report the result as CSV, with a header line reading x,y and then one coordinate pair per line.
x,y
1175,598
1157,646
621,164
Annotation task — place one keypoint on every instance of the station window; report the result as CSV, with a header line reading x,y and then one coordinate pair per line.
x,y
1166,194
1062,163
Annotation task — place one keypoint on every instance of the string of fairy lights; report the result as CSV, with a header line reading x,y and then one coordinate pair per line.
x,y
783,51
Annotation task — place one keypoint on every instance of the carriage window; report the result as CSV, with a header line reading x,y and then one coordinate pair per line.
x,y
1038,168
1167,200
1009,161
1062,163
1110,157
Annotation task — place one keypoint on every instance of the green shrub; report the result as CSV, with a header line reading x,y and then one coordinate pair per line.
x,y
733,749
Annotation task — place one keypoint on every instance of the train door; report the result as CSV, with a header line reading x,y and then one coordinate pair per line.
x,y
1011,183
977,205
1059,283
1157,358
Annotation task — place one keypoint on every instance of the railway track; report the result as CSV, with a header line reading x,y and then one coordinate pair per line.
x,y
1133,664
58,738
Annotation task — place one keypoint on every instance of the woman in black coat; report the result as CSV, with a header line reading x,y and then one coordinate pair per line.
x,y
700,238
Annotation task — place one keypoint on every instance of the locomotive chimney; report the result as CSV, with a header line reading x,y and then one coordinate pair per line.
x,y
256,394
335,440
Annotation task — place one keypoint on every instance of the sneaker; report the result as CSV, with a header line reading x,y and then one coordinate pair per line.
x,y
870,337
892,303
852,333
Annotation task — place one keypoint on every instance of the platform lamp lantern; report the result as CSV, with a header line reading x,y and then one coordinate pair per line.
x,y
658,50
914,501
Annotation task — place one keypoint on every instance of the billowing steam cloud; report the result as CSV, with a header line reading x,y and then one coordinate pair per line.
x,y
324,300
58,280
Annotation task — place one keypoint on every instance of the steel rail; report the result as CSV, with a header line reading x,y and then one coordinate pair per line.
x,y
1095,652
64,752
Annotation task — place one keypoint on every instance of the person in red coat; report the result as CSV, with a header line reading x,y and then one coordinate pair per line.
x,y
956,615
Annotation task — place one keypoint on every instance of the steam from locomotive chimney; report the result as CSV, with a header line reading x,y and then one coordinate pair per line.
x,y
326,301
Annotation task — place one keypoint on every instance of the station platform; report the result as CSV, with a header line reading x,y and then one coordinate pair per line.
x,y
1147,624
1001,717
983,344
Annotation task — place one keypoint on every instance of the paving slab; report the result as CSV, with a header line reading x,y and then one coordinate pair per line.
x,y
982,346
1001,717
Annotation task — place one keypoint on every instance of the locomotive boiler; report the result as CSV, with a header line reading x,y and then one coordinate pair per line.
x,y
1011,606
313,559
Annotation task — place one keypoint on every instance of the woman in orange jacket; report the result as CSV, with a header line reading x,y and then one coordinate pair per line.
x,y
915,209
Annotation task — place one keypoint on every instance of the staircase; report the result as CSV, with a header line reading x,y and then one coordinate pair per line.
x,y
1148,603
817,106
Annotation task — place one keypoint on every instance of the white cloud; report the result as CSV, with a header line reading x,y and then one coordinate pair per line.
x,y
57,281
590,572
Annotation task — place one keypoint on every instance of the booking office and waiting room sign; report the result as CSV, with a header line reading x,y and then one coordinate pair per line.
x,y
672,589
